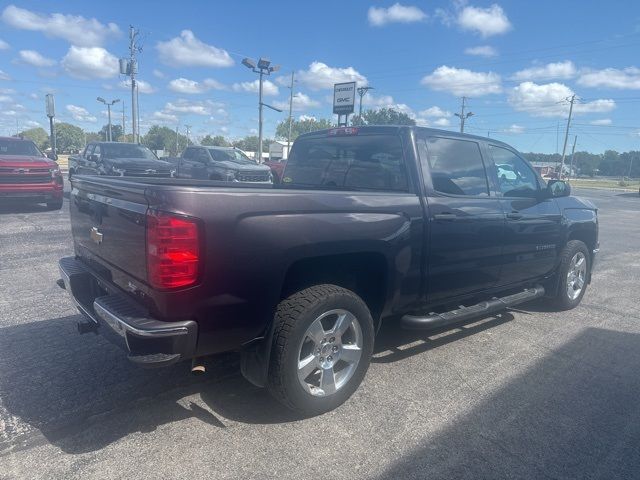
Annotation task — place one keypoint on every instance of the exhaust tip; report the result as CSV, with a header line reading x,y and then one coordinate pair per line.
x,y
197,367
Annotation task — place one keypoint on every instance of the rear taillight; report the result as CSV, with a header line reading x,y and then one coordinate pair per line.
x,y
173,250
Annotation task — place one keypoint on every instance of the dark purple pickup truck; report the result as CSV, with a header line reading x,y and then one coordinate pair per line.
x,y
424,227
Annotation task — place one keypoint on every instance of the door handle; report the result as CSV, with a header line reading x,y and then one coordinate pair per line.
x,y
514,216
447,217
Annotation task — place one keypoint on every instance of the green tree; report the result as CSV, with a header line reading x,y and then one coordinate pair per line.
x,y
94,137
164,138
39,136
250,144
116,132
69,138
217,141
383,116
298,127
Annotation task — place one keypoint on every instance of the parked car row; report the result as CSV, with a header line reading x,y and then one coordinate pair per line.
x,y
225,164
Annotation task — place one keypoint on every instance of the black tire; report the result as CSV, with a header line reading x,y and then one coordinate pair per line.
x,y
55,205
294,316
562,300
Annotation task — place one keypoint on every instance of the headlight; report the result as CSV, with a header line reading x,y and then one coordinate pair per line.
x,y
119,171
231,177
55,172
270,176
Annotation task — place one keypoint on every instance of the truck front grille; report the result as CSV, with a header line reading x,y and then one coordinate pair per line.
x,y
24,179
253,176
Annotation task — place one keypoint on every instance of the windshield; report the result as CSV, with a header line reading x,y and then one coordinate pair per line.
x,y
20,148
123,150
230,155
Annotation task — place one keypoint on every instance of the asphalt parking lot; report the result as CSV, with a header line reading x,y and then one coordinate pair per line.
x,y
527,394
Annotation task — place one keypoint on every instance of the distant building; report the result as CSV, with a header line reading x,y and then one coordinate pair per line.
x,y
549,169
278,150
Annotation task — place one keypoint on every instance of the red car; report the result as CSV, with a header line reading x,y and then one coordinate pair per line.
x,y
277,168
27,175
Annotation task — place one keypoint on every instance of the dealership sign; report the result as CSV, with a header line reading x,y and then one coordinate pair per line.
x,y
344,98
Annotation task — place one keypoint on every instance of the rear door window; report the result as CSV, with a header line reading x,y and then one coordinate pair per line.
x,y
456,166
365,162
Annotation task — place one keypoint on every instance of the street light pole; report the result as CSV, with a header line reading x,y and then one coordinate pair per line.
x,y
108,104
262,68
260,119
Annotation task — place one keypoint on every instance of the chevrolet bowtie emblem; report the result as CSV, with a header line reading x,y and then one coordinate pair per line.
x,y
96,236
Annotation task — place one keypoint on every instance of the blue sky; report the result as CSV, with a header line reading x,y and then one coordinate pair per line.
x,y
516,61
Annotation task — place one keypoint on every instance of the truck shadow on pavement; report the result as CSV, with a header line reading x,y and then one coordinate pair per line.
x,y
82,394
573,414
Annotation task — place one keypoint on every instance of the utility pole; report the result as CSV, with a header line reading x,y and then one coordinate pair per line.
x,y
124,133
129,66
290,117
188,131
573,153
362,91
566,133
177,140
462,115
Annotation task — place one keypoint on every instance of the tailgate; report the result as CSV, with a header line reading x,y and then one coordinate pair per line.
x,y
108,223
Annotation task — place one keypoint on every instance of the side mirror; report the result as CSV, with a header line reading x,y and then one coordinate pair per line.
x,y
52,156
558,188
94,158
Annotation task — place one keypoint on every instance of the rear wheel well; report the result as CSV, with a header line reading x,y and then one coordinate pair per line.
x,y
364,273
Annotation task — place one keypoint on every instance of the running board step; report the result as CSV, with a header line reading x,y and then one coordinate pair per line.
x,y
437,320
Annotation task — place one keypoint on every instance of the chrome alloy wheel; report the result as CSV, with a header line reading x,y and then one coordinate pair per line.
x,y
330,352
576,275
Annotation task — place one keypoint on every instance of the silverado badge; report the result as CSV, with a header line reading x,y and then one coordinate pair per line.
x,y
96,236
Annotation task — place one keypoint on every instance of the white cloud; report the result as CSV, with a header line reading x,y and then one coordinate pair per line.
x,y
396,13
482,51
460,81
164,118
80,114
76,29
32,124
182,106
320,76
90,62
143,87
268,87
157,73
304,118
34,58
4,76
184,85
549,100
484,21
187,51
514,129
601,121
624,79
4,45
301,102
434,112
559,70
442,122
5,99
